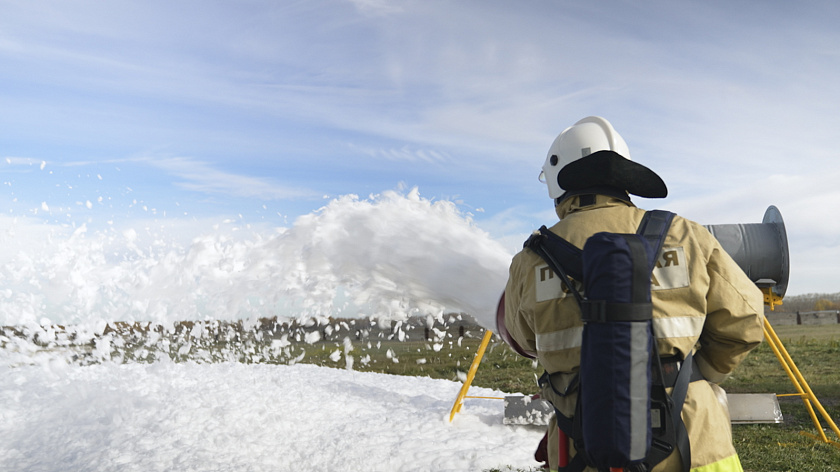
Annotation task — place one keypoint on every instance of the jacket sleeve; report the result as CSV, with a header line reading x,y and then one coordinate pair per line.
x,y
519,316
734,317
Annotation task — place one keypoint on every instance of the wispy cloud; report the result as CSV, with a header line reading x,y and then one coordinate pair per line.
x,y
405,153
202,176
376,7
199,176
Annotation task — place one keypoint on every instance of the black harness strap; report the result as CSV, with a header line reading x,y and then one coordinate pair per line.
x,y
678,397
600,311
563,257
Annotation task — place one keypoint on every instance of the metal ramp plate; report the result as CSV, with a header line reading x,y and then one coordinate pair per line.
x,y
522,410
751,408
744,408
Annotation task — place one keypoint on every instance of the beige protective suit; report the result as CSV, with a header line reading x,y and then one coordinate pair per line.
x,y
701,300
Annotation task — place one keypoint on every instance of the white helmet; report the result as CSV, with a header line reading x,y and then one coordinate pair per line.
x,y
608,162
585,137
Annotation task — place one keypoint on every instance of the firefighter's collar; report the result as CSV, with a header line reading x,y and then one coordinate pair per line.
x,y
585,201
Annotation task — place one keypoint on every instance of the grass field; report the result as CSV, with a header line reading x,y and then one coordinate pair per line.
x,y
766,447
784,447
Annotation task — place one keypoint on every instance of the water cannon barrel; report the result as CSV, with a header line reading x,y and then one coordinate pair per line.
x,y
760,249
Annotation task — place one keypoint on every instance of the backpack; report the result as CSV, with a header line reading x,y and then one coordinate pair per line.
x,y
624,418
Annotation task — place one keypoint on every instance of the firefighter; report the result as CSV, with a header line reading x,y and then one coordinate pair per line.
x,y
702,300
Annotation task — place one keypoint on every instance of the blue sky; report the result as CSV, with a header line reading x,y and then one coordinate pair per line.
x,y
262,111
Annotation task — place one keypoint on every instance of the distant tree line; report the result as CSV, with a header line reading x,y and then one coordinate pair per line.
x,y
810,302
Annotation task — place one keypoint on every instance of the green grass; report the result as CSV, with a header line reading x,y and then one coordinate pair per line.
x,y
500,368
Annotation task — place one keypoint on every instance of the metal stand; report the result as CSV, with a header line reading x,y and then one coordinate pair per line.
x,y
798,380
459,401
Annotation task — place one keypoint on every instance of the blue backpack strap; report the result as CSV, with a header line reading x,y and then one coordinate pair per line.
x,y
654,227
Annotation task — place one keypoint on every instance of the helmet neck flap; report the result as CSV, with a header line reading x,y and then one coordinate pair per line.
x,y
591,154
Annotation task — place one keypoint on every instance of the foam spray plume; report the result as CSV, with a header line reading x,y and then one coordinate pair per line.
x,y
386,257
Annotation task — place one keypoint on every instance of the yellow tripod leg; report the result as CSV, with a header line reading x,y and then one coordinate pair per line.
x,y
471,374
798,380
